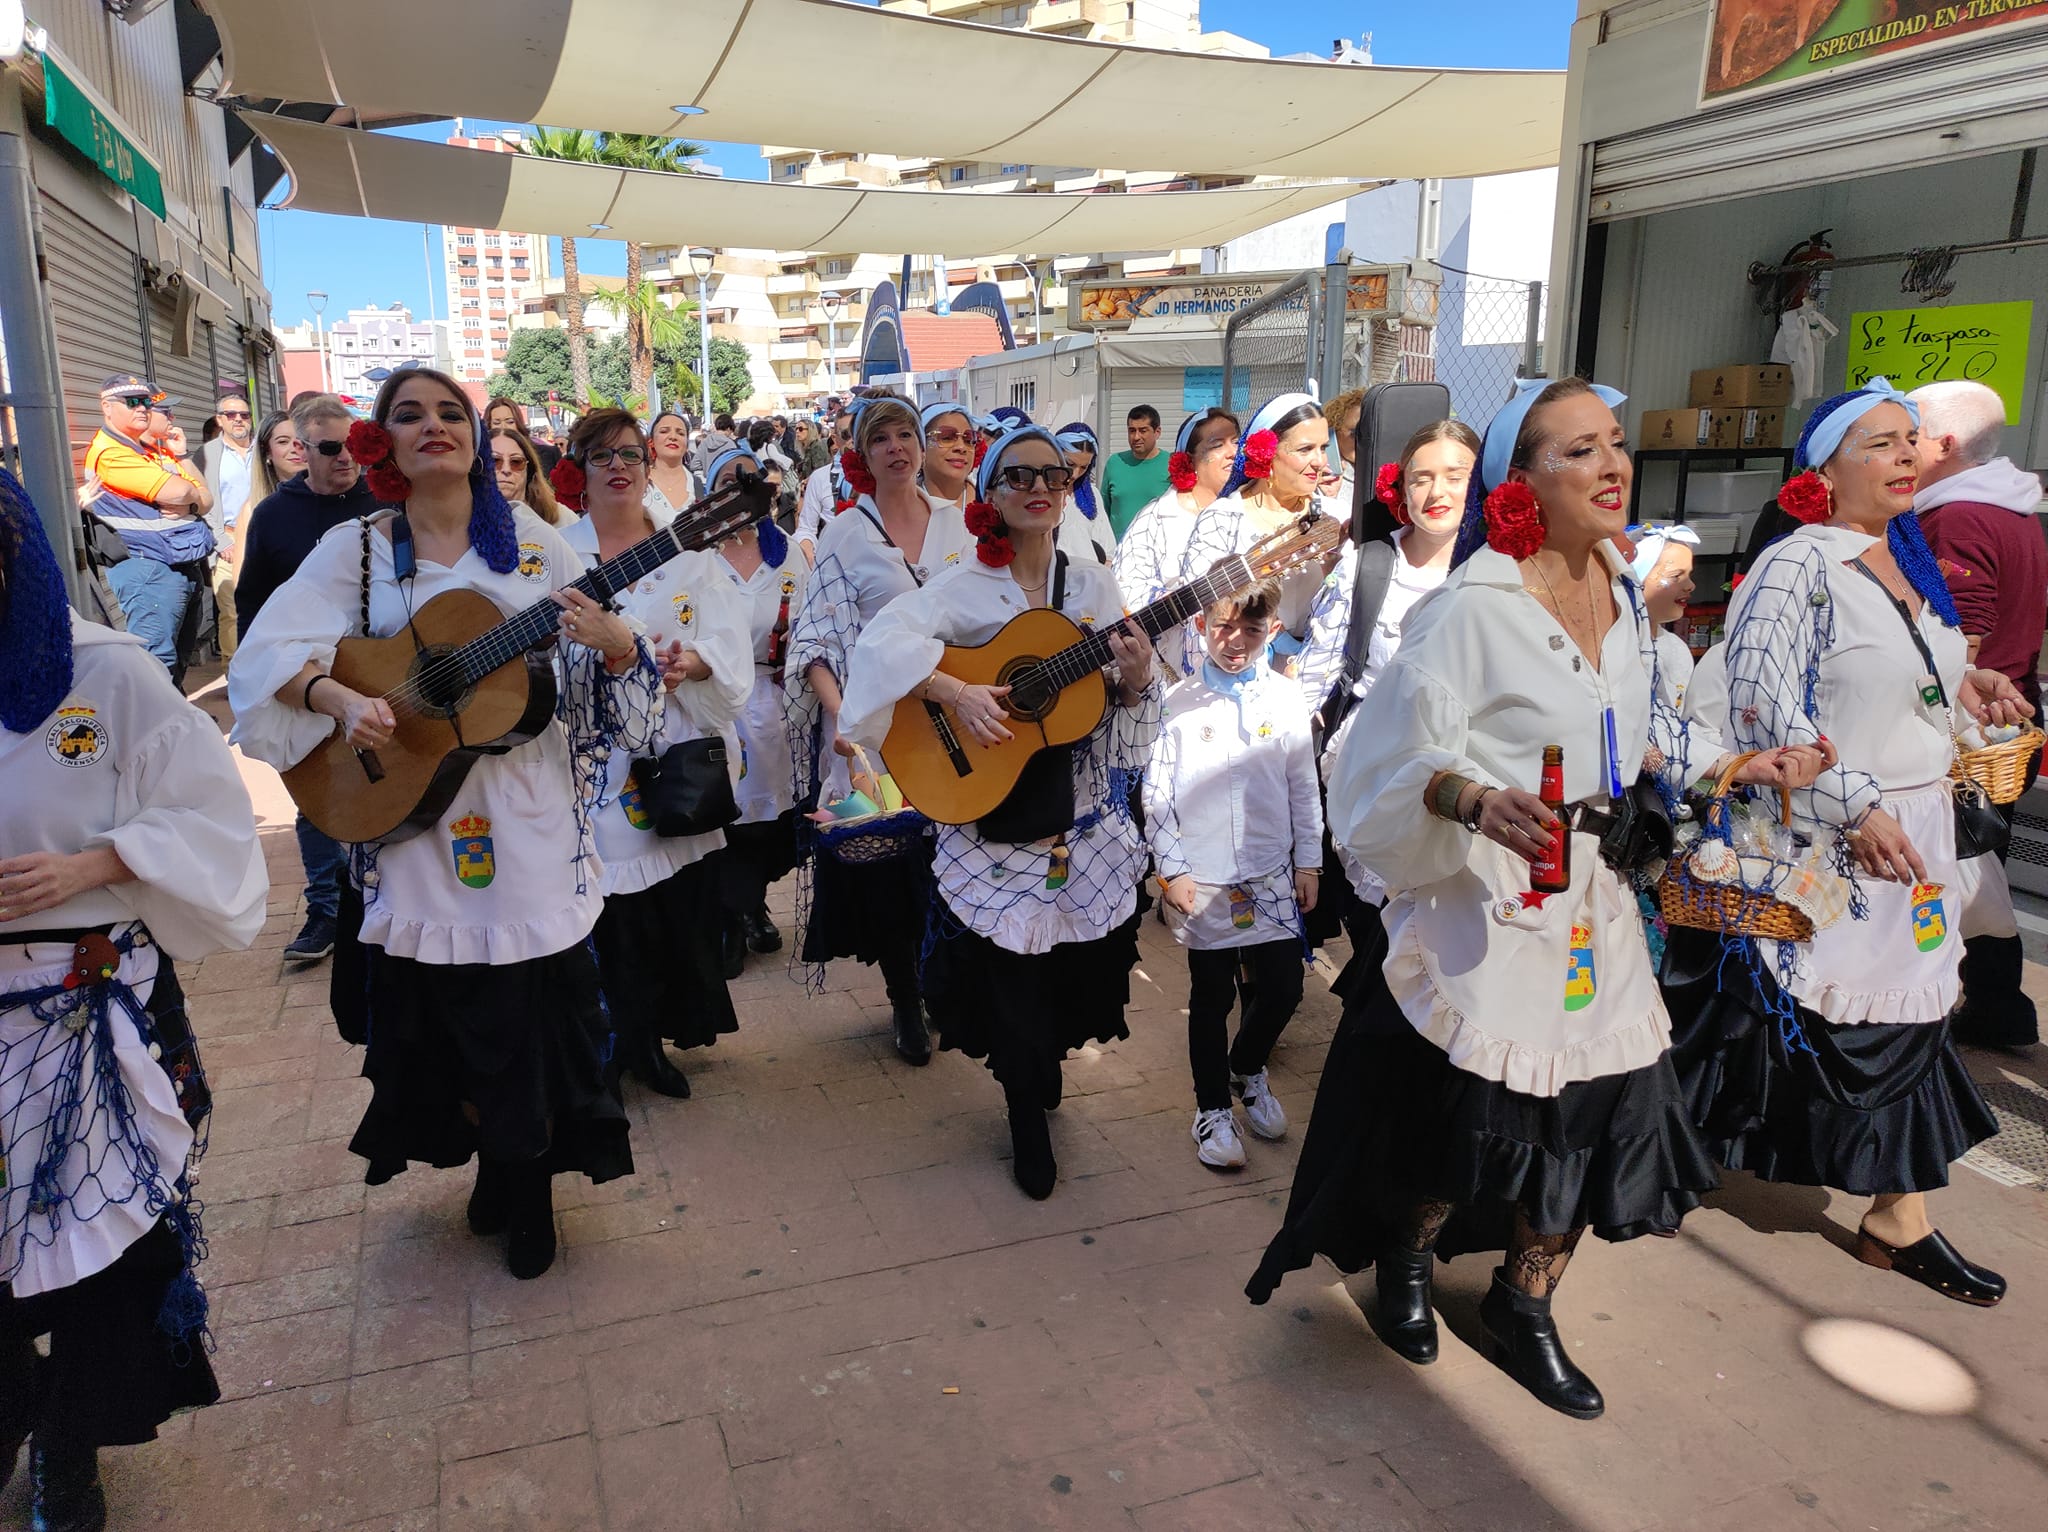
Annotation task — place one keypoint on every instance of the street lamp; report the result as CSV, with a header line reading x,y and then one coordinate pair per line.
x,y
319,302
832,303
1031,281
700,267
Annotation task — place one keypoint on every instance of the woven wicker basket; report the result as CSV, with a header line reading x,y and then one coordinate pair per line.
x,y
1728,907
869,838
2001,770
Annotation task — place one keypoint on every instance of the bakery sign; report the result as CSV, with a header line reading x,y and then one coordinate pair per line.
x,y
1115,304
1755,45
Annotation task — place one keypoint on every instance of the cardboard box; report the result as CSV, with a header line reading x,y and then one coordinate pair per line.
x,y
1735,430
1767,384
1665,429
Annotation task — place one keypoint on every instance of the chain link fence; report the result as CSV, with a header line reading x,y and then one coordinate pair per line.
x,y
1488,331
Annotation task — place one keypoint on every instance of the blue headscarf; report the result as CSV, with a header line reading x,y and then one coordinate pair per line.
x,y
1007,417
773,542
1262,420
1822,438
1497,452
1073,437
35,616
985,475
932,412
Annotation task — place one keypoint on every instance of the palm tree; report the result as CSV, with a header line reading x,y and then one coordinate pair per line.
x,y
578,145
650,322
668,156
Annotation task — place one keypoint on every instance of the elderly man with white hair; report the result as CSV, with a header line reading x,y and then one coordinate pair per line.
x,y
1977,511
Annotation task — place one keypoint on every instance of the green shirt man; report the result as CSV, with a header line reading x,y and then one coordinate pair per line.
x,y
1133,480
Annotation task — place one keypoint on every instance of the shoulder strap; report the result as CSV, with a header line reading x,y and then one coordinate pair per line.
x,y
1912,627
1369,584
1059,580
364,523
890,542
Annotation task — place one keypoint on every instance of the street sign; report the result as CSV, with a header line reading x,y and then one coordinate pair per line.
x,y
72,113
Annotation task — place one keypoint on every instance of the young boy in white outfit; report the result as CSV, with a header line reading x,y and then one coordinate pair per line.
x,y
1236,827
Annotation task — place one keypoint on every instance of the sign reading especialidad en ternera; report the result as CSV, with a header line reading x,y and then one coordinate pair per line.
x,y
1759,44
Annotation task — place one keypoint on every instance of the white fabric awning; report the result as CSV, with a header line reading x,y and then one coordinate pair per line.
x,y
377,175
840,76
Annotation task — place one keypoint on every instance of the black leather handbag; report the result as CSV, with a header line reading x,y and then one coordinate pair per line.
x,y
687,790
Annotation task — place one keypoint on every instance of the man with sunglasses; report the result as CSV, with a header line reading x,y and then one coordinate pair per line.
x,y
156,504
226,462
277,534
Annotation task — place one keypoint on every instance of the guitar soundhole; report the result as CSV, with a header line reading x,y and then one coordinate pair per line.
x,y
1030,698
438,691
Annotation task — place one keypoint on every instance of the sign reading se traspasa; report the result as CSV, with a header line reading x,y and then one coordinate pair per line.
x,y
1983,342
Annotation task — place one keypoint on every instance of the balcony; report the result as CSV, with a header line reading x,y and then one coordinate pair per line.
x,y
792,282
795,350
1065,15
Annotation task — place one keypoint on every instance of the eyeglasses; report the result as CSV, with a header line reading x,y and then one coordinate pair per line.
x,y
604,457
946,436
234,415
1021,476
329,449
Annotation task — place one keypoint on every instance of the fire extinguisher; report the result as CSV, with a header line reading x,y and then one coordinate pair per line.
x,y
1809,276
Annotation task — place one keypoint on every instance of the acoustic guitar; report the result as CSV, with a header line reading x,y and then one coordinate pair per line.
x,y
464,680
1058,691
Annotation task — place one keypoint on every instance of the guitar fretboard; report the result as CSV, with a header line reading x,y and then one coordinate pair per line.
x,y
1169,611
537,623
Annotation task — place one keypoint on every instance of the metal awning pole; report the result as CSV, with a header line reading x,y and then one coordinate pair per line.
x,y
35,389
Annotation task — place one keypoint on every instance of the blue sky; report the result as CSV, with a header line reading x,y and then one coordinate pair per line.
x,y
363,261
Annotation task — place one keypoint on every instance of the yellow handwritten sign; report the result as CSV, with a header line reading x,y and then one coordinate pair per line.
x,y
1984,342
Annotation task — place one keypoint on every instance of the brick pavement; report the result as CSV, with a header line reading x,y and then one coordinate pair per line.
x,y
765,1326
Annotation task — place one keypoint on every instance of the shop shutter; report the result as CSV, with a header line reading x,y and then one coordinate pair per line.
x,y
189,377
92,301
1906,112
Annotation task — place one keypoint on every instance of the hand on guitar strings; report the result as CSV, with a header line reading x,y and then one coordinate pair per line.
x,y
980,711
587,623
367,723
1133,653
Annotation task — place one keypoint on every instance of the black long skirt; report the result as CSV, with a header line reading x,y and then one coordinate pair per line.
x,y
1022,1013
521,1047
869,911
657,956
1863,1109
115,1373
1396,1124
755,856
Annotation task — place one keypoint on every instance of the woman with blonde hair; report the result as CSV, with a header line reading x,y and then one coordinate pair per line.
x,y
515,462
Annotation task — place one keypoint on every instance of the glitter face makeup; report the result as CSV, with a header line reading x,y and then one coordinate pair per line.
x,y
1582,472
1876,469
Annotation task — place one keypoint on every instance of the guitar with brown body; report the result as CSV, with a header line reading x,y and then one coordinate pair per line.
x,y
1058,690
464,681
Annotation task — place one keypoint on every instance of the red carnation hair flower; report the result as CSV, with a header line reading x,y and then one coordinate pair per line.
x,y
1514,525
389,485
1259,449
1806,498
567,480
980,449
855,467
1387,490
368,443
996,552
1180,472
983,520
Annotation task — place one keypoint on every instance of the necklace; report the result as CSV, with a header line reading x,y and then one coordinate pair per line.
x,y
1592,617
1032,588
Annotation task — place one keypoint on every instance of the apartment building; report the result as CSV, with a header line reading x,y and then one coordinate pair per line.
x,y
372,343
488,273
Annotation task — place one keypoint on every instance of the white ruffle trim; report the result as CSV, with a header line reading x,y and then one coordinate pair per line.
x,y
427,941
1843,1007
1031,926
662,861
1518,1066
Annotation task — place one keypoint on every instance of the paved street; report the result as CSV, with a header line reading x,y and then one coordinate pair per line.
x,y
821,1303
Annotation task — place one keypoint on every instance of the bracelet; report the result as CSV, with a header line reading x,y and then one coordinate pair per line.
x,y
1443,792
1471,821
306,696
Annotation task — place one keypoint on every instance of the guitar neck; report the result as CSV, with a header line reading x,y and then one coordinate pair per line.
x,y
703,524
1168,612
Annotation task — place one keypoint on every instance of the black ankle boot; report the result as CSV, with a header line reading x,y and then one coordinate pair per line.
x,y
913,1037
530,1237
68,1497
488,1199
1037,1172
653,1068
1401,1315
762,936
1533,1355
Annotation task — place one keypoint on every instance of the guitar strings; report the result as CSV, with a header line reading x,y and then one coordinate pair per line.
x,y
411,694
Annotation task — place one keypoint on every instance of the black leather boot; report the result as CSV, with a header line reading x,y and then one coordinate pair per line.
x,y
68,1497
653,1068
488,1199
1037,1172
1401,1315
1533,1355
530,1236
762,936
913,1036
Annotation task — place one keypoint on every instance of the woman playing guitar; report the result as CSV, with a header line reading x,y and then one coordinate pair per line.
x,y
473,966
1037,902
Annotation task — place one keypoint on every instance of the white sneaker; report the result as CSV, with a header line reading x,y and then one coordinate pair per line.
x,y
1216,1142
1262,1109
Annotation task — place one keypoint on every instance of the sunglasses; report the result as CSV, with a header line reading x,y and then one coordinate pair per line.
x,y
328,449
132,401
604,457
234,415
1021,476
947,435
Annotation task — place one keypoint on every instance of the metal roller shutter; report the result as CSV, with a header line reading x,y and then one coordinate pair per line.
x,y
92,301
189,376
1909,112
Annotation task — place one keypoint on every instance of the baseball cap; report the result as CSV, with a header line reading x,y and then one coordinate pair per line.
x,y
125,383
159,400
